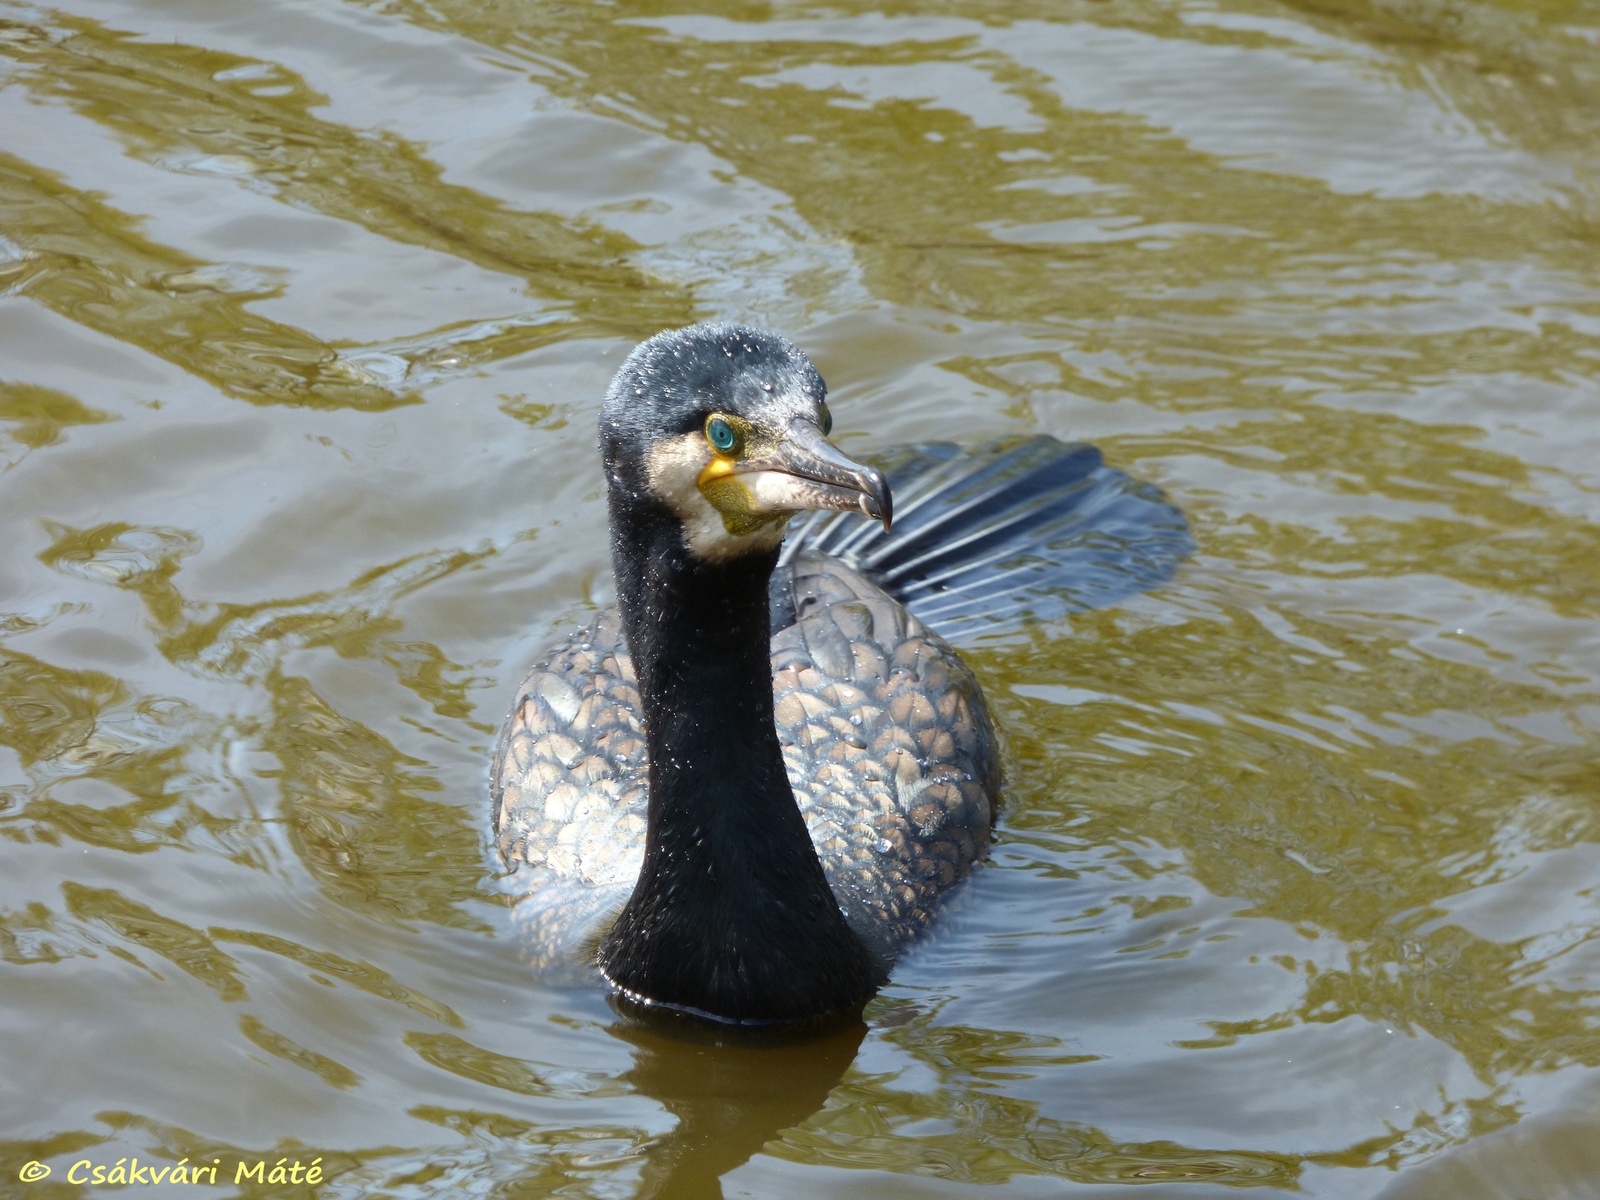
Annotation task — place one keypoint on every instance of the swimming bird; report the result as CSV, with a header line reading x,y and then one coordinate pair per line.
x,y
755,778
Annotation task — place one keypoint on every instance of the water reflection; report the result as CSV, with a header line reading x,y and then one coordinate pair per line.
x,y
728,1101
1552,1156
38,415
211,113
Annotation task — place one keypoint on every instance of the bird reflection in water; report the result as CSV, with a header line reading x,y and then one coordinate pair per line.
x,y
730,1093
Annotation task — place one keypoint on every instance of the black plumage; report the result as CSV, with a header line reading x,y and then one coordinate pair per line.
x,y
764,769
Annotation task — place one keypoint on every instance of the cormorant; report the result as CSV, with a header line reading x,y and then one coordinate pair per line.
x,y
768,757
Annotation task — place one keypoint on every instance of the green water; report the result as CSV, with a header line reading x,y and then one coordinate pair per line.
x,y
305,310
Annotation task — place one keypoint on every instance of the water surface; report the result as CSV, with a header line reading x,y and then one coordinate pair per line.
x,y
305,312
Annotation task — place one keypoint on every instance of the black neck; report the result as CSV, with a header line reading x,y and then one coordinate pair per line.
x,y
732,914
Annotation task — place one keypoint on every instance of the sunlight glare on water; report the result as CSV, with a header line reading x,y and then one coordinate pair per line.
x,y
305,314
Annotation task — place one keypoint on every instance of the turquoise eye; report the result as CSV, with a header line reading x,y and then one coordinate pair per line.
x,y
721,435
827,421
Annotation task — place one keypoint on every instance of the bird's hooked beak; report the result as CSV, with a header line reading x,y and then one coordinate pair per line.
x,y
802,470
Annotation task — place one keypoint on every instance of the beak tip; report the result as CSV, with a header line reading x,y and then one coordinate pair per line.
x,y
846,484
878,489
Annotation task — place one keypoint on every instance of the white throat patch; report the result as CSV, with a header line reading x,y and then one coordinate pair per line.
x,y
672,469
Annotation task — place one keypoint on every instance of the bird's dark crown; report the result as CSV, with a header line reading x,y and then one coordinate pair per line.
x,y
722,430
672,383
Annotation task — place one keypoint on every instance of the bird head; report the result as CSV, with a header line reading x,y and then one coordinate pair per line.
x,y
727,427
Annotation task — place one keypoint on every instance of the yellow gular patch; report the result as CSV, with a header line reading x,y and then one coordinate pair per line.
x,y
718,520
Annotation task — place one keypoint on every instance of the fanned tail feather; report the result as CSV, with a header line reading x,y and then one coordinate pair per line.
x,y
987,540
